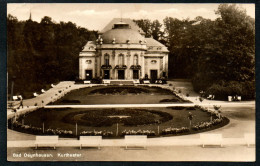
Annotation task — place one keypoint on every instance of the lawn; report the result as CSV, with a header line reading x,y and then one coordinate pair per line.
x,y
175,117
119,95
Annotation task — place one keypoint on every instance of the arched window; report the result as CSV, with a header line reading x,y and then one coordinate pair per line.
x,y
106,59
135,59
121,60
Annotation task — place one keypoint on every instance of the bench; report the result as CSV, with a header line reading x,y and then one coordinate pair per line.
x,y
135,141
211,139
87,82
46,141
249,138
90,141
146,82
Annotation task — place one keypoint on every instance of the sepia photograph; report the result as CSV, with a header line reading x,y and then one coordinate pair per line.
x,y
131,82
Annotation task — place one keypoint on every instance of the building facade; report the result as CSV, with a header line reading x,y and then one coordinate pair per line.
x,y
122,52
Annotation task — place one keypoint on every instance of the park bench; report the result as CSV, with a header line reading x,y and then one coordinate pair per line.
x,y
46,141
211,139
249,138
146,82
135,141
87,82
90,141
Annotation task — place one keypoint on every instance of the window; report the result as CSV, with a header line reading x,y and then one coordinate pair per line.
x,y
121,60
153,61
106,59
88,61
135,59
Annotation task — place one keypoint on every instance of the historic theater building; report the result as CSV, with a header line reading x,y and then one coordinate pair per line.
x,y
122,52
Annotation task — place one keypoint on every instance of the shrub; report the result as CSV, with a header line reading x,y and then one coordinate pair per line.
x,y
171,130
97,133
96,81
138,132
223,89
205,125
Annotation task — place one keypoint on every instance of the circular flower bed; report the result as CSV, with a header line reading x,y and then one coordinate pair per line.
x,y
108,117
117,122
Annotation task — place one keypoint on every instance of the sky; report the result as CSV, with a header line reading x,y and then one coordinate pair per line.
x,y
95,16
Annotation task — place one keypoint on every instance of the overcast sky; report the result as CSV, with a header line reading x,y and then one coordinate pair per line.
x,y
95,16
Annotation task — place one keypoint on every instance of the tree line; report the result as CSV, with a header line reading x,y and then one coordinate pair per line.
x,y
43,53
217,55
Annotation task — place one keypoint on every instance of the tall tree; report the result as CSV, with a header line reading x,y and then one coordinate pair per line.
x,y
228,60
145,25
156,30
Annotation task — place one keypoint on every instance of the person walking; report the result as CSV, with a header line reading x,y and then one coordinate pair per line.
x,y
21,103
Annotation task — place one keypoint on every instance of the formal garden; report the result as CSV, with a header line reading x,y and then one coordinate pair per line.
x,y
117,122
113,94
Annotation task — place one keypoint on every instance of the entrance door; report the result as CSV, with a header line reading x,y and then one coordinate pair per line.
x,y
135,74
88,74
153,75
106,74
121,74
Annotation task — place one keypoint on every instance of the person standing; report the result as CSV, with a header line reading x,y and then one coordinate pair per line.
x,y
190,117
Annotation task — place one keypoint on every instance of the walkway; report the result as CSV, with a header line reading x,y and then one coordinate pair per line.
x,y
178,148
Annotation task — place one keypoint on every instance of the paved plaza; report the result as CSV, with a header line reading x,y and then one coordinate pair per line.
x,y
177,148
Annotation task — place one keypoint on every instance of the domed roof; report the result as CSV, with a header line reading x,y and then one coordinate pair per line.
x,y
122,36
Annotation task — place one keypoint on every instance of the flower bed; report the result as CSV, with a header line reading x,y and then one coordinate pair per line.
x,y
38,130
138,132
59,132
205,125
97,133
98,118
171,130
